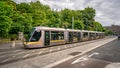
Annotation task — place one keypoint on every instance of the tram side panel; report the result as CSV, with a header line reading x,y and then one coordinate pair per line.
x,y
66,36
57,37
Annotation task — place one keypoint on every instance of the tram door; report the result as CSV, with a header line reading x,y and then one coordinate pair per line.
x,y
70,37
79,36
47,38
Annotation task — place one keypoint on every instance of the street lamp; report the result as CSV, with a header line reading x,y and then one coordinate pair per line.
x,y
72,22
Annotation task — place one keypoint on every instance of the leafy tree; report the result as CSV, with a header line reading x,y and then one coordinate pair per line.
x,y
88,15
98,26
79,25
5,18
24,8
22,17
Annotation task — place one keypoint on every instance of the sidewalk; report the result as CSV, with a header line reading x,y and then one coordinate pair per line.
x,y
52,59
6,46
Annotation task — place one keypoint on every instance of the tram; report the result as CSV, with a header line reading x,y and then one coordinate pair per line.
x,y
47,36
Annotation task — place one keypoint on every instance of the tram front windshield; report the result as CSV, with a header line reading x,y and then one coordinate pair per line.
x,y
34,35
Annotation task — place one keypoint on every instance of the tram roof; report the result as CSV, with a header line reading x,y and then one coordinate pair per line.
x,y
49,28
62,29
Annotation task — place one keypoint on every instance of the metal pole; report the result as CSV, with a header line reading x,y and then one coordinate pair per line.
x,y
72,22
23,36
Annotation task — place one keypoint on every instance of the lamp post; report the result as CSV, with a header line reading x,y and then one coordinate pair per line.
x,y
72,22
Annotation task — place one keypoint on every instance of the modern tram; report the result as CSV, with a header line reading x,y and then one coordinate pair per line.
x,y
47,36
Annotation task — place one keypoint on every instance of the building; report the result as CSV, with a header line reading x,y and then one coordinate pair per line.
x,y
114,28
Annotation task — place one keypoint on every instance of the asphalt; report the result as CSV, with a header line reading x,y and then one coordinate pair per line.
x,y
15,54
110,52
45,56
8,46
106,56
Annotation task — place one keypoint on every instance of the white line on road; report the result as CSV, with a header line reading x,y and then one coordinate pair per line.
x,y
14,56
2,56
58,48
26,56
33,50
20,53
17,50
79,60
56,63
40,53
51,50
93,54
61,61
4,61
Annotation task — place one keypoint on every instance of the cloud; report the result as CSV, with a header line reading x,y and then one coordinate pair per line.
x,y
107,11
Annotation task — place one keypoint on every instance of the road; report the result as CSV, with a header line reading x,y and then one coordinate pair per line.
x,y
13,55
37,58
106,56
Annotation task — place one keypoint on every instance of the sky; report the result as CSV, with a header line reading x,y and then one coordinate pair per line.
x,y
107,11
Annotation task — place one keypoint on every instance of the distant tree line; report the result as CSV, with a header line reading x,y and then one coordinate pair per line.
x,y
22,17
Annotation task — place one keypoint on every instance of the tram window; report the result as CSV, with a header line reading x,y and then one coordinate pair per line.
x,y
92,34
36,36
79,34
97,34
75,34
56,35
30,34
85,34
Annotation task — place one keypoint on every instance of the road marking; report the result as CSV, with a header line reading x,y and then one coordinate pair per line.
x,y
26,56
65,46
93,54
2,56
79,60
51,50
5,61
17,50
20,53
33,50
58,48
71,57
14,56
40,53
58,62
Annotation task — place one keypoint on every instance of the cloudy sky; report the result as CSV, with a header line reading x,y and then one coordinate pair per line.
x,y
107,11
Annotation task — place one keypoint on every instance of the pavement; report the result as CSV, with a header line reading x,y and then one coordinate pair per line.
x,y
55,58
8,46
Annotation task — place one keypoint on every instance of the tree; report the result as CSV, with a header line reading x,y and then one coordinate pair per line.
x,y
88,15
79,25
22,17
98,26
24,8
6,12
